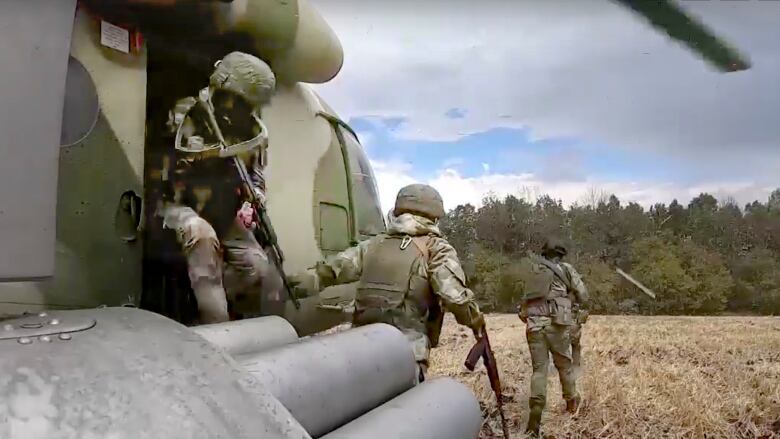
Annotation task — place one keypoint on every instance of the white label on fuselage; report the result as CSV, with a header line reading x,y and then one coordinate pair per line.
x,y
114,37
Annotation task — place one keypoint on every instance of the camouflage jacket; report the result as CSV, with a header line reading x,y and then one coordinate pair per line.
x,y
578,295
442,269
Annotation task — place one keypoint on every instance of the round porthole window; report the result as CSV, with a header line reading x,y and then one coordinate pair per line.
x,y
81,109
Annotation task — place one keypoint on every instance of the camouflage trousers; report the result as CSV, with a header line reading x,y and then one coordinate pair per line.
x,y
235,270
575,333
418,343
543,341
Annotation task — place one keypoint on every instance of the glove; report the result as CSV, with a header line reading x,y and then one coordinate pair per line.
x,y
478,323
304,284
246,215
582,316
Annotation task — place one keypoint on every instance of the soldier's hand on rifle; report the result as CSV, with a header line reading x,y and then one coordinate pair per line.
x,y
478,325
246,215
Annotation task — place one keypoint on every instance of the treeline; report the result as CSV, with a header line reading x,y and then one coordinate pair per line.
x,y
708,257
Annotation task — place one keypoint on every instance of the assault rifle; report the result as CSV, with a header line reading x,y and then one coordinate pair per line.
x,y
482,349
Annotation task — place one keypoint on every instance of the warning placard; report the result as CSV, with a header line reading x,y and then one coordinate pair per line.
x,y
114,37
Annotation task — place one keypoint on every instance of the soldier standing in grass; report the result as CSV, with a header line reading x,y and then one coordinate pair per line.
x,y
546,309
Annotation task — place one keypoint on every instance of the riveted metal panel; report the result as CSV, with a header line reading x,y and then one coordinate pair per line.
x,y
33,63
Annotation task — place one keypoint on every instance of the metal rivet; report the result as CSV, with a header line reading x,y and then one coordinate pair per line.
x,y
24,340
64,336
8,327
42,314
54,322
44,338
31,325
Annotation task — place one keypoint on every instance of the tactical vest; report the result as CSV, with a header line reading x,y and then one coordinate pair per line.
x,y
539,281
390,290
542,299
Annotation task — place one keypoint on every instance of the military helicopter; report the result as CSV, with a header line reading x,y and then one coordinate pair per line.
x,y
128,61
86,87
122,65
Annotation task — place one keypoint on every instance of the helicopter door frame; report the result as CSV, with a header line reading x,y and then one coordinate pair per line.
x,y
337,124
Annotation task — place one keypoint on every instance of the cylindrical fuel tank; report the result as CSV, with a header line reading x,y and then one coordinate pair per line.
x,y
250,335
440,408
327,381
127,373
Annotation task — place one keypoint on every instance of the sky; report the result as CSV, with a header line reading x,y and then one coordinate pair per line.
x,y
558,97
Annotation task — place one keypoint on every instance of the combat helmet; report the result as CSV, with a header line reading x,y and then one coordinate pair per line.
x,y
419,199
553,247
245,75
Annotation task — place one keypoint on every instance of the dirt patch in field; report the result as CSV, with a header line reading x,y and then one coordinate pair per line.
x,y
642,377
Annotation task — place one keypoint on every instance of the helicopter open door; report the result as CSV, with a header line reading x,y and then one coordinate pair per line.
x,y
33,64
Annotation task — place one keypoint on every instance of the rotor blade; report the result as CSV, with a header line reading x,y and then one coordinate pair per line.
x,y
667,16
628,277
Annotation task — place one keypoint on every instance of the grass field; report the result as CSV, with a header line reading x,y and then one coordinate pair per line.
x,y
643,377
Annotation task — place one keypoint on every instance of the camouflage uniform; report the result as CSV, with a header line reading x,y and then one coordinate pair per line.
x,y
225,262
548,332
575,331
435,281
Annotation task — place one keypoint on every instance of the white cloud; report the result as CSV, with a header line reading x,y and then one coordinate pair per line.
x,y
456,189
390,178
581,68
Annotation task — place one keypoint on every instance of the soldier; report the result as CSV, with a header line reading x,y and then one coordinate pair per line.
x,y
547,312
211,217
405,275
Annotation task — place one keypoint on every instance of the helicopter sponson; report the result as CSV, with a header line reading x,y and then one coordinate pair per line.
x,y
127,373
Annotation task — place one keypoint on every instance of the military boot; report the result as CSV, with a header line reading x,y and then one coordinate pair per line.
x,y
534,422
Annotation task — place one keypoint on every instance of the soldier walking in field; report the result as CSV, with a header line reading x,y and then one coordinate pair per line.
x,y
406,276
552,286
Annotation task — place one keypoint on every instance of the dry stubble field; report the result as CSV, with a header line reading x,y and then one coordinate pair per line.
x,y
643,377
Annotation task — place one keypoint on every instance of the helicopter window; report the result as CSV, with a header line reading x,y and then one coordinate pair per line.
x,y
81,106
369,216
334,227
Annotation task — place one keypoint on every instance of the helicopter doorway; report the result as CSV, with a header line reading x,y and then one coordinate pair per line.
x,y
170,77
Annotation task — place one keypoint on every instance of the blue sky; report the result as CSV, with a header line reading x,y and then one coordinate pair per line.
x,y
562,97
511,151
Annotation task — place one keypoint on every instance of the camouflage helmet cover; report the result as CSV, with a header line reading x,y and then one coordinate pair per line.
x,y
554,247
246,75
419,199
